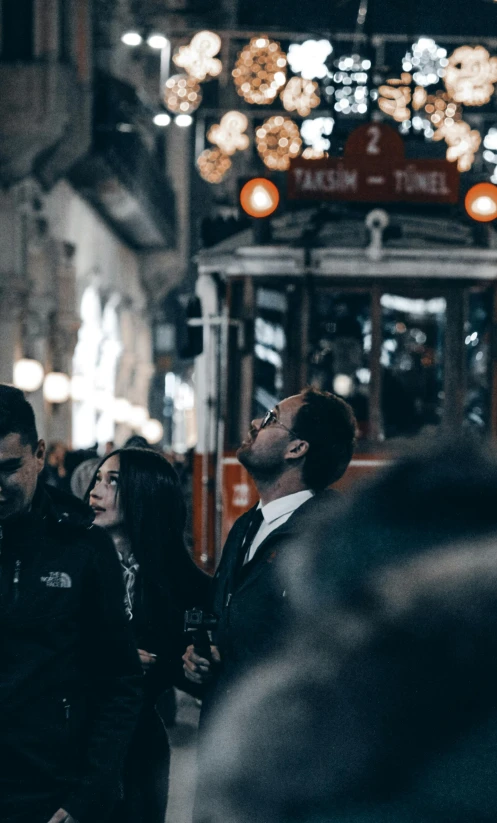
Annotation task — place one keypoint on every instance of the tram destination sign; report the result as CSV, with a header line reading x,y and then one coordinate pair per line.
x,y
374,169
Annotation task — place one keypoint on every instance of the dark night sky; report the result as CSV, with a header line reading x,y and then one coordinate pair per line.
x,y
412,17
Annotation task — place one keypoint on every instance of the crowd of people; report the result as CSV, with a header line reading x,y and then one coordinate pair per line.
x,y
345,646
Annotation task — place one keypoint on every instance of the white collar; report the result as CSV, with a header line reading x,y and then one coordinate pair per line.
x,y
284,505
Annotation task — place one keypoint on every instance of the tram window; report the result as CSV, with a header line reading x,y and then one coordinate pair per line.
x,y
270,345
412,363
340,345
477,329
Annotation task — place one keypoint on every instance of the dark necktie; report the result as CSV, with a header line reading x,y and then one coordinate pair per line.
x,y
254,525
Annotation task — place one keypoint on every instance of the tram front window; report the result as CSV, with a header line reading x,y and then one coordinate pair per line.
x,y
412,363
270,347
340,345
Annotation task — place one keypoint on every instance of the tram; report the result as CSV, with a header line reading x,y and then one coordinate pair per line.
x,y
394,310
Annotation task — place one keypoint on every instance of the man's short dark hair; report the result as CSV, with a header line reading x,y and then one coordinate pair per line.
x,y
328,424
17,416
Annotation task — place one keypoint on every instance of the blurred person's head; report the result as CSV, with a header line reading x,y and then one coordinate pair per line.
x,y
136,441
311,435
22,454
56,453
109,447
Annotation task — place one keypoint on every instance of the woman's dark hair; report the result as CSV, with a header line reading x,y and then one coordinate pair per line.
x,y
329,426
154,515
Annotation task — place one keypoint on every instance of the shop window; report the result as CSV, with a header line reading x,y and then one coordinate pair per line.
x,y
340,346
412,363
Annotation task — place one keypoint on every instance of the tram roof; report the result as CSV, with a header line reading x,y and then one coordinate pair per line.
x,y
328,242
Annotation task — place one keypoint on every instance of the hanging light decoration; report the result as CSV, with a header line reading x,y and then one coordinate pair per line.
x,y
463,143
426,61
229,135
309,58
348,85
198,58
490,151
212,165
481,202
314,133
435,111
259,197
470,75
182,94
300,95
278,140
260,71
395,96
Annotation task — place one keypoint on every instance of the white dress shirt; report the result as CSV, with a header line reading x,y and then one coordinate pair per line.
x,y
275,514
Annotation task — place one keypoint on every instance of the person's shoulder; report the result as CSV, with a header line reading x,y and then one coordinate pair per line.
x,y
322,503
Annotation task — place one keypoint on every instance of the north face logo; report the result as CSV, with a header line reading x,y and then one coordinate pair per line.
x,y
57,580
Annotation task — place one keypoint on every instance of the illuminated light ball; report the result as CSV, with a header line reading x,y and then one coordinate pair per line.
x,y
132,38
309,58
157,41
182,94
481,202
343,385
470,75
426,61
162,119
228,134
315,134
260,71
310,153
138,416
28,374
183,120
213,165
438,111
300,95
395,97
347,86
56,387
278,140
153,431
121,409
198,59
259,197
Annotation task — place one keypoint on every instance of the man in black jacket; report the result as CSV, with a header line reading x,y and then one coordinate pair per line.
x,y
70,678
293,453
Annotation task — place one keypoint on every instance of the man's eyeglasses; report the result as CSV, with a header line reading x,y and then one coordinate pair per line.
x,y
271,419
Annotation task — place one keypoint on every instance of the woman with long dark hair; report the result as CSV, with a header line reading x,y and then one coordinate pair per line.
x,y
136,496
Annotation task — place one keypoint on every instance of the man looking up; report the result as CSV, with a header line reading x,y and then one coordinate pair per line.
x,y
293,454
70,678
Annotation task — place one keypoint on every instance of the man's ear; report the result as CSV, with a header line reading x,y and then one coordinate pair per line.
x,y
297,449
40,454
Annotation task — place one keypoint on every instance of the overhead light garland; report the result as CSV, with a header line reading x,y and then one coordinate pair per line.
x,y
426,61
463,143
260,71
348,85
315,134
213,165
309,58
198,58
182,94
300,95
229,135
470,75
278,140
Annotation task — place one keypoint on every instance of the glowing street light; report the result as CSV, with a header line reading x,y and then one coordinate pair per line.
x,y
28,374
481,202
259,197
183,120
132,38
162,119
157,41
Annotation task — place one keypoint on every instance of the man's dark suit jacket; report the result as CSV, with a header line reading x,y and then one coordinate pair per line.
x,y
250,600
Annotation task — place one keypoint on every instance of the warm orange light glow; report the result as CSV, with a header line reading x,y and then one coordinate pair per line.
x,y
481,202
259,197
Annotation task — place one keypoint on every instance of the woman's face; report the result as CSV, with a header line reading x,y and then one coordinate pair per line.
x,y
103,496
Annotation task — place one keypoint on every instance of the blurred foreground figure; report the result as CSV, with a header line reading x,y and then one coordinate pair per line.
x,y
383,707
70,678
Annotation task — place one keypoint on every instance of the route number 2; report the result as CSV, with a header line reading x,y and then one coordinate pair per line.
x,y
373,145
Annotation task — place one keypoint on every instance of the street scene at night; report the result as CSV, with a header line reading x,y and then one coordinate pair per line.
x,y
248,411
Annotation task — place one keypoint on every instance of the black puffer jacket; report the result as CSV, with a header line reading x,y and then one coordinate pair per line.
x,y
70,678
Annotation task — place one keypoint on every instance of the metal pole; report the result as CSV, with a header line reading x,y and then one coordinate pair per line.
x,y
223,398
